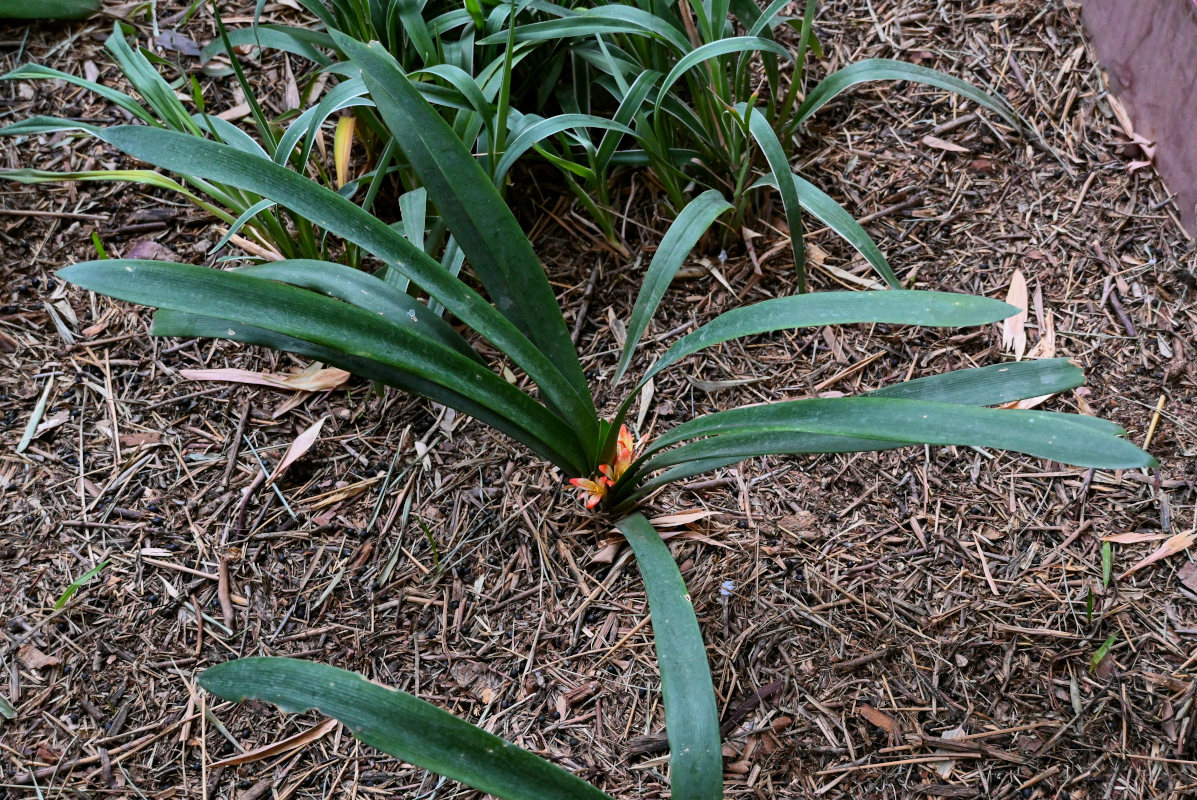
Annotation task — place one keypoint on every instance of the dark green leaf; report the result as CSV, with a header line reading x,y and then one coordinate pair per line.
x,y
400,725
321,320
325,208
482,225
883,69
675,247
185,325
691,720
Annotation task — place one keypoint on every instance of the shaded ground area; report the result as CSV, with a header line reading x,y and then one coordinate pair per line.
x,y
905,625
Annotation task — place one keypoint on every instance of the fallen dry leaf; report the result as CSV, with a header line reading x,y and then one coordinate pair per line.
x,y
1177,544
681,518
1188,576
303,443
1014,329
279,747
879,718
140,439
151,250
1133,538
944,768
33,658
940,144
312,379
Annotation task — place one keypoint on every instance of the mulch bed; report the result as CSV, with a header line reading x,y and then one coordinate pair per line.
x,y
904,625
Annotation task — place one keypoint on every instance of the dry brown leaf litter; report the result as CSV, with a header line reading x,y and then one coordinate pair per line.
x,y
901,626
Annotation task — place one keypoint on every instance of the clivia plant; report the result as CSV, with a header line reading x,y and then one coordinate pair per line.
x,y
388,330
673,87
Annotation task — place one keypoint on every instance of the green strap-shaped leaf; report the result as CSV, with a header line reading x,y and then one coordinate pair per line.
x,y
296,41
722,47
400,725
331,323
834,216
142,176
364,291
40,124
675,246
48,9
152,87
756,19
481,222
732,449
611,18
791,202
325,208
540,129
1070,439
691,720
466,85
932,309
347,94
884,69
795,415
184,325
981,386
37,72
629,106
992,385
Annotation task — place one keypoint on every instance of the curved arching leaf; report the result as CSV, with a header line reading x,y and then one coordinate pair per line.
x,y
691,719
834,216
684,232
482,225
400,725
898,307
884,69
364,291
186,325
325,208
331,323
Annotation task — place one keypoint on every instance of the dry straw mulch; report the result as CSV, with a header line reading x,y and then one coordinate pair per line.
x,y
905,625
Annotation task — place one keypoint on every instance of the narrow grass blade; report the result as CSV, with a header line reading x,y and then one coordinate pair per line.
x,y
322,320
612,18
296,41
230,134
884,69
691,720
834,216
400,725
629,106
78,584
145,177
791,202
710,50
540,129
241,221
40,124
482,225
152,87
37,72
675,246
